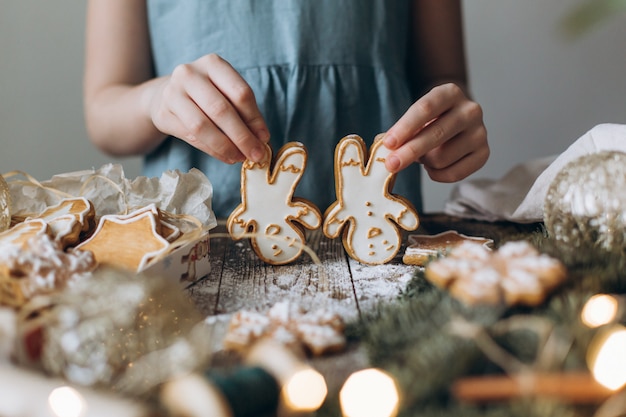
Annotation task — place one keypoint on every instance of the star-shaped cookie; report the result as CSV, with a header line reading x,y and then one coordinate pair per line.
x,y
68,219
129,241
422,247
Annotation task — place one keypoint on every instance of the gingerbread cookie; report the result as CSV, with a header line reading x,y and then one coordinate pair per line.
x,y
424,247
268,211
365,210
129,241
316,332
40,266
21,233
68,219
514,274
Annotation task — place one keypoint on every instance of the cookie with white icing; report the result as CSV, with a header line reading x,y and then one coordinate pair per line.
x,y
366,211
68,219
269,213
421,248
129,241
21,233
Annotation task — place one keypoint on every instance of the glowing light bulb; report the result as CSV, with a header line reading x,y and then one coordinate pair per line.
x,y
607,360
369,393
66,402
305,391
599,310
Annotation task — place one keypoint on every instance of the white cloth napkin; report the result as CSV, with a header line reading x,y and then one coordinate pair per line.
x,y
519,195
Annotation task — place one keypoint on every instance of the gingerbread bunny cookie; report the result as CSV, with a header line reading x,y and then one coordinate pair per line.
x,y
268,211
369,215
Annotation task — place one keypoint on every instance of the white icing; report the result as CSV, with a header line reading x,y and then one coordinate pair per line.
x,y
269,210
78,207
365,205
67,217
19,234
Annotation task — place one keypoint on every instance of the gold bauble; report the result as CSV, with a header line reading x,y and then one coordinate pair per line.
x,y
585,206
5,205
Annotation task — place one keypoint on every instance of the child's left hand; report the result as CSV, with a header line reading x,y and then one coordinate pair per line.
x,y
444,131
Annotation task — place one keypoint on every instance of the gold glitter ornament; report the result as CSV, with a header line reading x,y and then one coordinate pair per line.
x,y
118,331
585,206
5,205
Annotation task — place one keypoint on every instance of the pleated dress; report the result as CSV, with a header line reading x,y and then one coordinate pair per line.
x,y
319,69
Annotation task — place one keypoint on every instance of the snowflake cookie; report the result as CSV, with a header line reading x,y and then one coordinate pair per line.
x,y
365,210
269,213
317,332
515,274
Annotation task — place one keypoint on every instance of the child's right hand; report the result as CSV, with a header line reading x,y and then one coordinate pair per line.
x,y
210,106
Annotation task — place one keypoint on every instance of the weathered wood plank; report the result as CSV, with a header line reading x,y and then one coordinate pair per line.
x,y
205,292
249,283
498,231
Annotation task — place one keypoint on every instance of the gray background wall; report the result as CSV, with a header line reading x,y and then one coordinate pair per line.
x,y
539,90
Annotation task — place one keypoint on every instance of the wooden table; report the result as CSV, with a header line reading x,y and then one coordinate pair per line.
x,y
239,280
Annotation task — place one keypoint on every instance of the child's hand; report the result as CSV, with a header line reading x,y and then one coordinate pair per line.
x,y
444,131
210,106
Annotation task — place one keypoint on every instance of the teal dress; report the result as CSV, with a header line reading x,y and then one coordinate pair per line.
x,y
320,70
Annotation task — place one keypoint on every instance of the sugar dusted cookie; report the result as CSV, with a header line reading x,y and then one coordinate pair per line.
x,y
365,210
68,219
268,211
129,241
316,332
423,247
514,274
40,267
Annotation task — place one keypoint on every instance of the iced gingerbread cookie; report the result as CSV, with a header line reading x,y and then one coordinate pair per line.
x,y
129,241
40,267
316,332
366,211
269,213
421,248
21,233
515,274
68,219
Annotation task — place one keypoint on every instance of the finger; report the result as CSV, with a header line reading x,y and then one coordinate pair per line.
x,y
435,134
219,111
239,94
200,132
425,110
456,148
460,169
